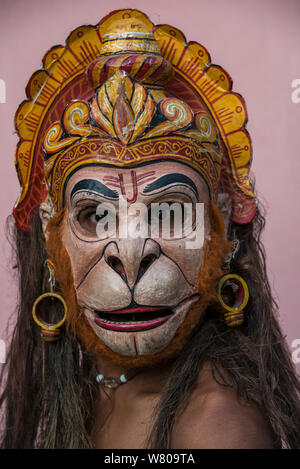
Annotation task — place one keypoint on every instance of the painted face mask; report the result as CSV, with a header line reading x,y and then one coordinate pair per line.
x,y
134,290
125,128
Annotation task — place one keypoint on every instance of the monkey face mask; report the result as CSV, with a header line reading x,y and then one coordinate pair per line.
x,y
133,284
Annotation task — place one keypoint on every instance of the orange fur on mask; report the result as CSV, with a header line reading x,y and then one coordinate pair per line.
x,y
215,251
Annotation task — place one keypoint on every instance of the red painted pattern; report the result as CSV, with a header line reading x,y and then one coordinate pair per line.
x,y
134,187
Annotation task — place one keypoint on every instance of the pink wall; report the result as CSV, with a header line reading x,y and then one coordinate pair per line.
x,y
256,41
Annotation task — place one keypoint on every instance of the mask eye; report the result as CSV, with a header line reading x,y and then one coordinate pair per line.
x,y
171,219
88,219
93,222
167,220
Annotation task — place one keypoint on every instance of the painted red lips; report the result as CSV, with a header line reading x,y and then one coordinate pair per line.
x,y
133,319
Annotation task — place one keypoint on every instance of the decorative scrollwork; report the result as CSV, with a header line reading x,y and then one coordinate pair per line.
x,y
75,117
178,116
206,127
52,142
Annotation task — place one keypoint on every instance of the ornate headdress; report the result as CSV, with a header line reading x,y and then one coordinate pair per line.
x,y
126,92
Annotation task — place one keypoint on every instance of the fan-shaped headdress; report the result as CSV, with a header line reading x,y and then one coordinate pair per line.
x,y
126,92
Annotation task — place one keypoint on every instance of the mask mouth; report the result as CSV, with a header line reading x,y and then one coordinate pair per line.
x,y
133,319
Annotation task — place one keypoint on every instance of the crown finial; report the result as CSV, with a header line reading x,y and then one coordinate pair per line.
x,y
130,46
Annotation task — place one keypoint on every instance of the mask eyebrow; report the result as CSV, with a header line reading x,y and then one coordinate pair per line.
x,y
96,187
168,179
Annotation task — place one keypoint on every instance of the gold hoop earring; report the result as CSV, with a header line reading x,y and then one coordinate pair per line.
x,y
234,315
49,332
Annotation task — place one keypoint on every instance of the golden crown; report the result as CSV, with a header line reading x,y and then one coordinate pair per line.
x,y
126,92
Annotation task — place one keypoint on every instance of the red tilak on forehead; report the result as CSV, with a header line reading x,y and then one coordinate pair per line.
x,y
133,183
134,187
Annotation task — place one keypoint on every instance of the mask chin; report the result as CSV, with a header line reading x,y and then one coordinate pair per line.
x,y
215,251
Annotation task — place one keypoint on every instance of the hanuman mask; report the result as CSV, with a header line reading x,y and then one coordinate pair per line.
x,y
124,117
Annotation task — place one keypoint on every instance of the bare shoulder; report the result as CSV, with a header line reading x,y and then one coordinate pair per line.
x,y
215,418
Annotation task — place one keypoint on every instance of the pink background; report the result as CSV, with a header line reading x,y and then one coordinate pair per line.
x,y
256,41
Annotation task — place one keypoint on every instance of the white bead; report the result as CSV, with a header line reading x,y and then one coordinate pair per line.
x,y
123,379
99,378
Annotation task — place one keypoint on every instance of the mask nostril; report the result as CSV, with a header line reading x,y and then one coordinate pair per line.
x,y
145,263
115,263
